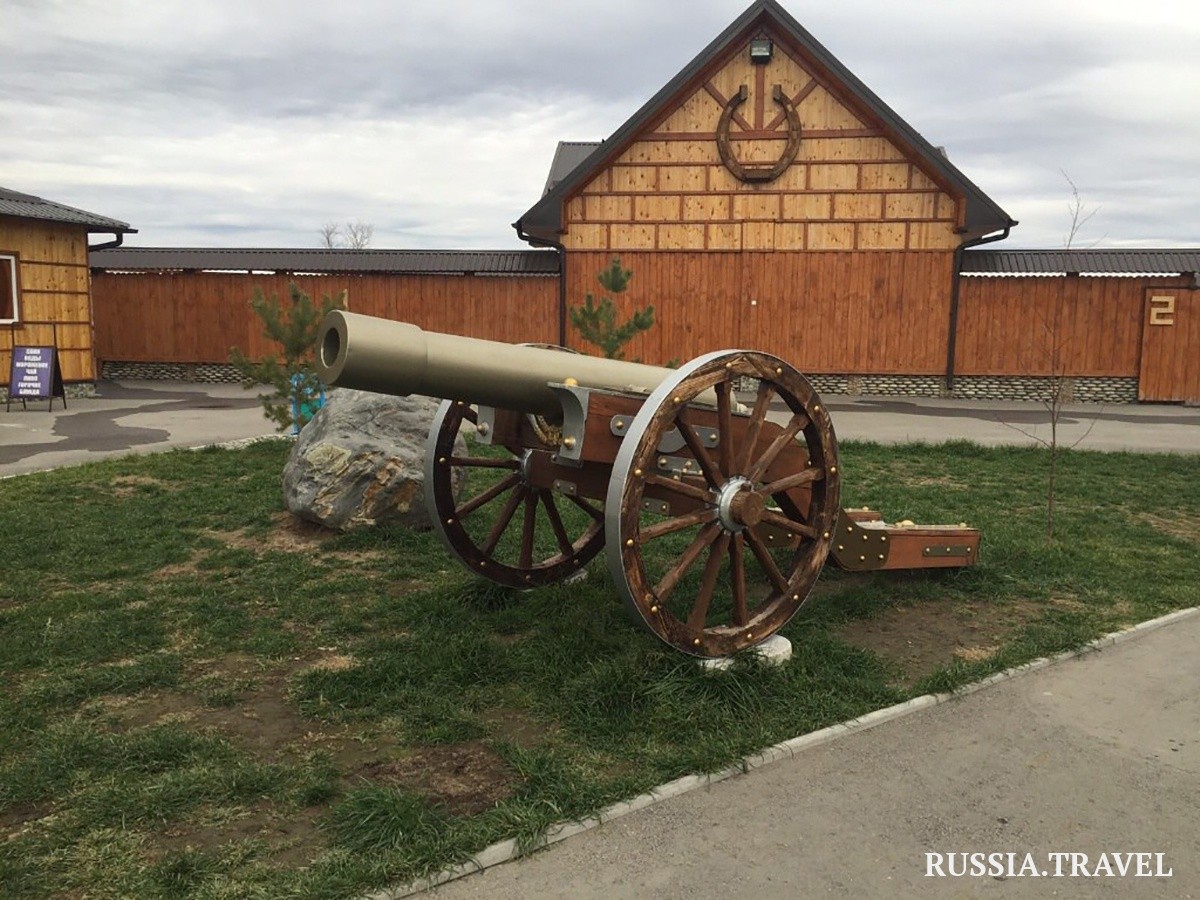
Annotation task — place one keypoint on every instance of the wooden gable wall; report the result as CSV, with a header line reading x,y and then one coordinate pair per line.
x,y
849,188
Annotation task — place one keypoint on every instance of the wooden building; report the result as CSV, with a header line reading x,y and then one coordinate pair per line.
x,y
45,290
765,197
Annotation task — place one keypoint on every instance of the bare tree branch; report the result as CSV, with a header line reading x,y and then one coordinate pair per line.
x,y
351,236
331,235
359,235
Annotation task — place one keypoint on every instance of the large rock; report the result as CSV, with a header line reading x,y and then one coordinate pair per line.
x,y
361,461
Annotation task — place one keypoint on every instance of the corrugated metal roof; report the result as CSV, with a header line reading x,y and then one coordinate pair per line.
x,y
427,262
567,157
27,206
1081,262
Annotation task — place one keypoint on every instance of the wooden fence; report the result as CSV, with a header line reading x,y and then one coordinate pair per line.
x,y
890,314
198,317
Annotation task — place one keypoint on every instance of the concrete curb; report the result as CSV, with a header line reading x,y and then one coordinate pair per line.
x,y
506,851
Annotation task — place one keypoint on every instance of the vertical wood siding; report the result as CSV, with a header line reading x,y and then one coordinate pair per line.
x,y
198,317
822,312
1092,325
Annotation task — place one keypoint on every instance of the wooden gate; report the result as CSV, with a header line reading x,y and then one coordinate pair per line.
x,y
1170,366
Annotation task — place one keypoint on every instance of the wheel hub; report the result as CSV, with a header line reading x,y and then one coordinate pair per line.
x,y
739,506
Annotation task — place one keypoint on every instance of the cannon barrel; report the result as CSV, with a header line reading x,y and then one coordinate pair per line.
x,y
388,357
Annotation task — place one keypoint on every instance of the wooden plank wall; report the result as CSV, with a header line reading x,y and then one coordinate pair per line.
x,y
850,188
837,312
1170,369
197,317
54,301
1008,325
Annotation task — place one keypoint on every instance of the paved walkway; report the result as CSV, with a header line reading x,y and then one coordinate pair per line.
x,y
127,417
1096,755
147,416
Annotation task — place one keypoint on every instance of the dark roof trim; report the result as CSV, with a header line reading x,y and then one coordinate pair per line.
x,y
27,206
1081,262
542,224
406,262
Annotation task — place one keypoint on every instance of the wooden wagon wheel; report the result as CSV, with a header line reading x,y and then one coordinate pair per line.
x,y
761,503
550,543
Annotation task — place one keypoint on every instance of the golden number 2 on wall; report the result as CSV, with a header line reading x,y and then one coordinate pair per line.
x,y
1162,310
758,171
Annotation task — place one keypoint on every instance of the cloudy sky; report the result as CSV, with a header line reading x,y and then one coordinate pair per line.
x,y
255,122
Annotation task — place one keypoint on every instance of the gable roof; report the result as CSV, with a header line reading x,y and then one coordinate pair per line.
x,y
542,223
27,206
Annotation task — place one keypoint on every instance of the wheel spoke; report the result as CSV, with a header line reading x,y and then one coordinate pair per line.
x,y
764,559
724,428
708,581
712,474
706,536
484,462
759,414
670,526
487,496
779,520
804,476
470,414
737,577
528,523
682,487
597,514
506,516
556,524
784,438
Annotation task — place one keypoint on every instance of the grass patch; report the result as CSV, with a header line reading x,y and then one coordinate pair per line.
x,y
202,698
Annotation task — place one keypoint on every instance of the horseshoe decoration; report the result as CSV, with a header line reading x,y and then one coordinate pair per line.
x,y
758,172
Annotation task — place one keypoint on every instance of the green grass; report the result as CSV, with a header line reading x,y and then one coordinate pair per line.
x,y
191,706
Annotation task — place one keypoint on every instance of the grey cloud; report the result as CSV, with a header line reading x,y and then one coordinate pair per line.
x,y
228,119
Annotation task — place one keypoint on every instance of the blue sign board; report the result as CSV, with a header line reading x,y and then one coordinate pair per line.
x,y
35,375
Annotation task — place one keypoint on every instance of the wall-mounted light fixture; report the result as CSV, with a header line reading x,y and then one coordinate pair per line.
x,y
761,50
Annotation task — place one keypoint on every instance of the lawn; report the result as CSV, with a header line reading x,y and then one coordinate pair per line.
x,y
204,698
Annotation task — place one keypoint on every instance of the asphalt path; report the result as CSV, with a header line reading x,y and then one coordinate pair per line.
x,y
1097,756
150,416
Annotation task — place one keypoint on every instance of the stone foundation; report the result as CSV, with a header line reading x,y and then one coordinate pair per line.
x,y
208,373
1082,389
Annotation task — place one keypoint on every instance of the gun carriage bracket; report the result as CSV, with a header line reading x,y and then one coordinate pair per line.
x,y
715,518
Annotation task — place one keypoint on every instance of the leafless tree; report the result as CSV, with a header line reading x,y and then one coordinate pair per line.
x,y
1059,388
359,235
351,236
331,235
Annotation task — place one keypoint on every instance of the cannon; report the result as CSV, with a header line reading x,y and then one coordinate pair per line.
x,y
713,488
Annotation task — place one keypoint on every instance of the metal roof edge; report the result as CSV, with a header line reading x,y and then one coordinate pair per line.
x,y
1091,261
326,261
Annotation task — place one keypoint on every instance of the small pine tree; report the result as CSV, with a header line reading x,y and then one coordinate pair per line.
x,y
597,322
291,372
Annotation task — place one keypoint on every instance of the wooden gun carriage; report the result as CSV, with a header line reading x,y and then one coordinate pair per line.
x,y
716,516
